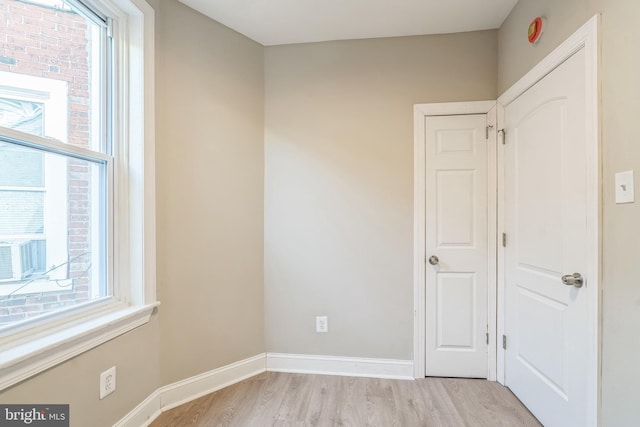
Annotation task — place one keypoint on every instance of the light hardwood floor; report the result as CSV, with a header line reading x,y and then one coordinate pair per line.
x,y
278,399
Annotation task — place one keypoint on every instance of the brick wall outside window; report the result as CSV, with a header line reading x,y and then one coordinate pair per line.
x,y
47,42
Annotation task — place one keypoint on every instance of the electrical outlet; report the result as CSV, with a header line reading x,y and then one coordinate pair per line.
x,y
107,382
322,324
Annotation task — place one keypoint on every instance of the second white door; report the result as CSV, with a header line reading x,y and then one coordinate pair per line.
x,y
456,245
546,221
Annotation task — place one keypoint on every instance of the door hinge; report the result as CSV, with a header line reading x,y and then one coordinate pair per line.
x,y
504,240
504,136
504,342
110,28
487,338
487,129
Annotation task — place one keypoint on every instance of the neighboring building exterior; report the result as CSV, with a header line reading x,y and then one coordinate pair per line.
x,y
49,46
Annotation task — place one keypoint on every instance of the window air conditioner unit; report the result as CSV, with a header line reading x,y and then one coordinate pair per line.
x,y
16,262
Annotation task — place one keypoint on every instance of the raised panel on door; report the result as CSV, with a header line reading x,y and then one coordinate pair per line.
x,y
542,320
456,288
538,186
456,208
456,314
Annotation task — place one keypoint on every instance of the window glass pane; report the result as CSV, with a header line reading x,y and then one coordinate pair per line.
x,y
22,212
52,72
20,167
25,116
52,239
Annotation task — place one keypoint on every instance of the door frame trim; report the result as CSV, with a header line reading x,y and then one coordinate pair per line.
x,y
587,38
421,112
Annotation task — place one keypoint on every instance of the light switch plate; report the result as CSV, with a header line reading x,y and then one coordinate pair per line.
x,y
624,187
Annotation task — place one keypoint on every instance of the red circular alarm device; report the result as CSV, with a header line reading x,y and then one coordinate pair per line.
x,y
535,30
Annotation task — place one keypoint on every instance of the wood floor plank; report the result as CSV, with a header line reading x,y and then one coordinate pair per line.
x,y
441,411
297,400
321,410
412,410
271,396
293,406
500,406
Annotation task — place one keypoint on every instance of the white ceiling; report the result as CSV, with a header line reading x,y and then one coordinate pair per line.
x,y
273,22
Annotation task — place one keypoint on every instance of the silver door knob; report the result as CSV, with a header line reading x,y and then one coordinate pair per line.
x,y
433,260
574,279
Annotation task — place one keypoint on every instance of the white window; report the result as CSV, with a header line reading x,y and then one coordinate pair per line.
x,y
77,211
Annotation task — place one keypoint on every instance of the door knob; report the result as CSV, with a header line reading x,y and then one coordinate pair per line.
x,y
433,260
574,279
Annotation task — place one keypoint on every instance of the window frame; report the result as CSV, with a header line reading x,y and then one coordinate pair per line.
x,y
30,349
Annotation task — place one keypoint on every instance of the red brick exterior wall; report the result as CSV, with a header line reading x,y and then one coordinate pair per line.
x,y
47,42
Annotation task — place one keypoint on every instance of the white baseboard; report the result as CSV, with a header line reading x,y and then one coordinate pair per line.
x,y
345,366
184,391
143,414
181,392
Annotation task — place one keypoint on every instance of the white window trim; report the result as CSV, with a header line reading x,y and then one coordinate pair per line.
x,y
32,351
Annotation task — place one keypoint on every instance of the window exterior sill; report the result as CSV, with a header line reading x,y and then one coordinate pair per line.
x,y
35,287
23,361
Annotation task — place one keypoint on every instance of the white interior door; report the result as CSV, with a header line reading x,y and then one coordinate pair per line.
x,y
546,321
456,233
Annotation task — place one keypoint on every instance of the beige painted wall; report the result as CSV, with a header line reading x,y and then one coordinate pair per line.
x,y
75,382
339,183
210,103
620,152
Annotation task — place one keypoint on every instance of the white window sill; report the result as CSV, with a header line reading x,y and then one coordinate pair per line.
x,y
19,362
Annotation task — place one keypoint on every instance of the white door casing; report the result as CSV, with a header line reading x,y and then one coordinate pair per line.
x,y
549,199
424,113
456,233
